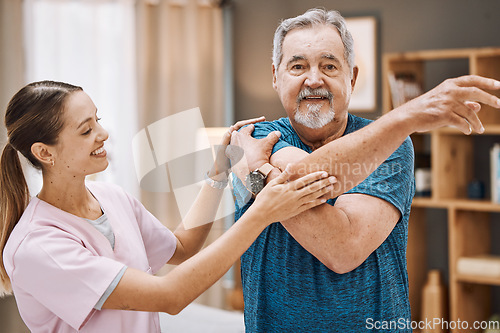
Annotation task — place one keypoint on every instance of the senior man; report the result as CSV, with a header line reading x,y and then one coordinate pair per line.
x,y
340,266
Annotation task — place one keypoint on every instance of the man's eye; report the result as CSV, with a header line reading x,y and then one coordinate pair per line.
x,y
297,66
87,132
330,67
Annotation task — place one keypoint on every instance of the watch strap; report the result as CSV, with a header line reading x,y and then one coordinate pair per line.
x,y
265,169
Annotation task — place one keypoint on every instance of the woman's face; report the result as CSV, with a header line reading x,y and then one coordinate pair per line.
x,y
80,148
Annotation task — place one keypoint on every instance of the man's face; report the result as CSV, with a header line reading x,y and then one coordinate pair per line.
x,y
313,79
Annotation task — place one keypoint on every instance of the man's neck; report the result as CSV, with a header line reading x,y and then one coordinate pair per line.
x,y
316,138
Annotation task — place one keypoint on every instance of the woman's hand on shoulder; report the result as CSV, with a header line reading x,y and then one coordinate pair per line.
x,y
222,162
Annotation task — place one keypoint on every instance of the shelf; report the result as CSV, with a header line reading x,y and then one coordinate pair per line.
x,y
454,163
428,55
457,204
424,202
476,279
488,130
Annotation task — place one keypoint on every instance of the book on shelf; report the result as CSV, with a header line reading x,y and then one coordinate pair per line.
x,y
404,87
482,265
495,173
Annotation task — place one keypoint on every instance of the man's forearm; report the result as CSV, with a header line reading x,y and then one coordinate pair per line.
x,y
353,157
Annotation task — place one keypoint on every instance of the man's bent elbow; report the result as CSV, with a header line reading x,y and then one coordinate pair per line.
x,y
175,308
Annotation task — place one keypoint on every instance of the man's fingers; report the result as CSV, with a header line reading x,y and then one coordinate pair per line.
x,y
474,106
469,114
476,94
461,124
472,89
477,81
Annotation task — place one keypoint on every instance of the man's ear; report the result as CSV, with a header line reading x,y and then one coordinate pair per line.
x,y
355,71
275,86
43,153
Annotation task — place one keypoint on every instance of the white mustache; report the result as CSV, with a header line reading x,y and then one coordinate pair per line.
x,y
308,92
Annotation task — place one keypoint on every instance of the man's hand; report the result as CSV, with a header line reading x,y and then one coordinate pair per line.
x,y
256,151
222,163
455,102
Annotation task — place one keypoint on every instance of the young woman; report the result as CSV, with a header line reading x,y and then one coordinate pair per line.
x,y
79,251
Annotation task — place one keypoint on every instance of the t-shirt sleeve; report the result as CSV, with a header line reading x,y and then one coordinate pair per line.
x,y
59,272
159,242
264,128
393,181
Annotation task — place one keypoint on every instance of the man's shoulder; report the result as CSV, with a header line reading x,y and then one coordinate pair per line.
x,y
281,123
355,123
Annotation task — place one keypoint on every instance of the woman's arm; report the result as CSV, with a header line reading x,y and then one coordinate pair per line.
x,y
279,200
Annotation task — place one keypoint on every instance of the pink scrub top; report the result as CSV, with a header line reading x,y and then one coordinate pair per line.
x,y
60,265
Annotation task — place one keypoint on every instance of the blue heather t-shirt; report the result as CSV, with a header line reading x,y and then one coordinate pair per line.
x,y
287,289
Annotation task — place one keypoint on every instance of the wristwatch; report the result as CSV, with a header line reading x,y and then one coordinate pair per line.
x,y
256,180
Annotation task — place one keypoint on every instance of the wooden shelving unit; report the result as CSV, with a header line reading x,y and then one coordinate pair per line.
x,y
452,168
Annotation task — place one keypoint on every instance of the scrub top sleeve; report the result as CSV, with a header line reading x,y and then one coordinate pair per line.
x,y
60,273
159,242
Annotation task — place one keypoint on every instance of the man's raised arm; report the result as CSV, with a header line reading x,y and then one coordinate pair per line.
x,y
455,102
344,235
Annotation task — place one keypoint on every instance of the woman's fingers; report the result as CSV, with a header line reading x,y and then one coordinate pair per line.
x,y
226,138
283,199
318,188
310,204
308,179
242,123
308,187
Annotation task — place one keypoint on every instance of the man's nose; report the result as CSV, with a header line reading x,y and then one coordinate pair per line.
x,y
314,79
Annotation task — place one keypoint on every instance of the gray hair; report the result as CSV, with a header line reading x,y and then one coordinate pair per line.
x,y
315,16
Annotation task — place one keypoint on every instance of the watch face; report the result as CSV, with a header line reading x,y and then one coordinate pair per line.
x,y
255,181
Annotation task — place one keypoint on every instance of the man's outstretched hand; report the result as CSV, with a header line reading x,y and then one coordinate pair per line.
x,y
455,102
